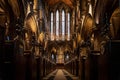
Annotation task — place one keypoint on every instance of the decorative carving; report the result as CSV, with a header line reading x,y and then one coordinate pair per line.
x,y
102,47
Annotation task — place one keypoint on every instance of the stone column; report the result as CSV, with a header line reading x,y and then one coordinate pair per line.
x,y
60,24
66,24
90,11
72,22
54,24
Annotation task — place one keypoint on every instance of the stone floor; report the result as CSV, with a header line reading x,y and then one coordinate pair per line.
x,y
60,74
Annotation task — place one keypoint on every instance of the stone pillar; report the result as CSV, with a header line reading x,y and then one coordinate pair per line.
x,y
72,22
66,24
2,36
94,67
82,68
77,67
90,11
83,6
60,24
54,24
39,65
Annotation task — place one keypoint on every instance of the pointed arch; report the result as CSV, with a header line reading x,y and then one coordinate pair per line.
x,y
61,21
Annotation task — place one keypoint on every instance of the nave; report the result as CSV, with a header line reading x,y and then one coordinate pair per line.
x,y
60,74
60,39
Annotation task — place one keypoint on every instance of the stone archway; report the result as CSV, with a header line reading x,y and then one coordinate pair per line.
x,y
87,27
114,24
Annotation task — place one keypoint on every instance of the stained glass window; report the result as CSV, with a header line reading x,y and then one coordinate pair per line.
x,y
68,26
57,25
63,24
61,27
51,24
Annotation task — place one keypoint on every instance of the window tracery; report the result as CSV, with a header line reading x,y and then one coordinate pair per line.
x,y
60,23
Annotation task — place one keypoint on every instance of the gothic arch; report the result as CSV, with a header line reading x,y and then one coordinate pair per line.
x,y
114,24
31,29
60,27
87,27
60,5
31,23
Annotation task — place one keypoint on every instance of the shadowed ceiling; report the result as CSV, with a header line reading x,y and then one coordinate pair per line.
x,y
53,2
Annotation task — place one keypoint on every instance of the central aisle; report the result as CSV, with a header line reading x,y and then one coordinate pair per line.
x,y
60,75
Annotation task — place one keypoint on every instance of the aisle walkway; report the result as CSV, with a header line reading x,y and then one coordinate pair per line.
x,y
60,74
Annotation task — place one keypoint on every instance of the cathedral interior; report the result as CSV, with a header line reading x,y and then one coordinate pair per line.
x,y
59,39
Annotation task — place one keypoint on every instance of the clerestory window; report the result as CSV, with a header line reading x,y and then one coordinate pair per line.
x,y
60,25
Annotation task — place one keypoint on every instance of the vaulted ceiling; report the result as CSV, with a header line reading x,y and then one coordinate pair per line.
x,y
53,2
10,10
105,6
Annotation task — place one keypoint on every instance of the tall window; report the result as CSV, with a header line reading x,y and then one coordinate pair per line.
x,y
68,38
60,24
51,24
57,25
63,24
